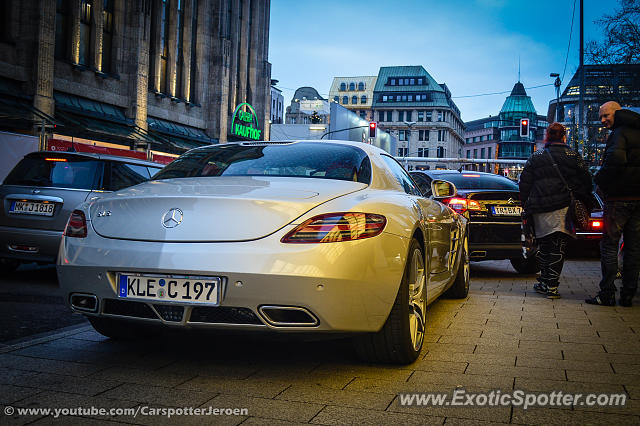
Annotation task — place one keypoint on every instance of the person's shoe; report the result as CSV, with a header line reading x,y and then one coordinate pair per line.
x,y
601,300
626,301
540,288
552,293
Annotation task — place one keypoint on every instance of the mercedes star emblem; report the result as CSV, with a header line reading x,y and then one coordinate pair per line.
x,y
172,218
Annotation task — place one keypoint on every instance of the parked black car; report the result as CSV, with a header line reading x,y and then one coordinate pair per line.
x,y
492,205
42,190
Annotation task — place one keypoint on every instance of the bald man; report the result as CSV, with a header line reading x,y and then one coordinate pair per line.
x,y
619,181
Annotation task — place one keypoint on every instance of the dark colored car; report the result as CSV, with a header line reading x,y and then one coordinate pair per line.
x,y
492,205
42,190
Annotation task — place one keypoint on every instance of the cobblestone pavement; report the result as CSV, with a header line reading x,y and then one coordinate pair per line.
x,y
502,337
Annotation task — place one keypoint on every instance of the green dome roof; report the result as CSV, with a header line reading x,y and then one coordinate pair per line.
x,y
518,101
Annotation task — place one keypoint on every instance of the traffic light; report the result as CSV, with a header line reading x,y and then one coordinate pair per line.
x,y
524,127
372,129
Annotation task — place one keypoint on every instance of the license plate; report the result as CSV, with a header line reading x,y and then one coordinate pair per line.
x,y
507,211
169,288
32,207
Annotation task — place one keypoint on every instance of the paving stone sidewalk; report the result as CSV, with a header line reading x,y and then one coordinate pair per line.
x,y
503,337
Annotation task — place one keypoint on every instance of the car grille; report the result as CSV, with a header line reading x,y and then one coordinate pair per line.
x,y
223,315
128,309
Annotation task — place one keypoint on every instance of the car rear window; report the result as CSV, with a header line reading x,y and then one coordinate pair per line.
x,y
304,159
54,171
478,181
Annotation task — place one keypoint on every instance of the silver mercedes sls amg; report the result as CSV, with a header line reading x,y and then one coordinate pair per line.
x,y
323,237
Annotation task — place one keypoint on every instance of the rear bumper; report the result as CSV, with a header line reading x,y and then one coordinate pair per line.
x,y
29,245
494,240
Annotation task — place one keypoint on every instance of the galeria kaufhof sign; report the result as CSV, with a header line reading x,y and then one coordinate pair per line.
x,y
244,123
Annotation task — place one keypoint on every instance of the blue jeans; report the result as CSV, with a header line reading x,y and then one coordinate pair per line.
x,y
621,218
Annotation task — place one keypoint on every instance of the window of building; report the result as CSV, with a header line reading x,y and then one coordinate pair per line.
x,y
179,88
440,152
403,135
468,153
398,98
107,36
400,82
409,115
441,135
380,115
412,82
410,98
489,152
194,41
404,98
345,100
420,115
343,87
354,99
402,152
363,99
84,54
482,153
352,86
164,45
336,98
400,115
440,116
62,41
420,82
361,86
423,152
390,115
393,82
428,116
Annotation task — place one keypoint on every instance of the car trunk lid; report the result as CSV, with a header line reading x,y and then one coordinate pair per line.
x,y
213,209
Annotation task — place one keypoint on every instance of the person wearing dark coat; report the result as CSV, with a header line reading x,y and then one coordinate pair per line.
x,y
619,181
546,199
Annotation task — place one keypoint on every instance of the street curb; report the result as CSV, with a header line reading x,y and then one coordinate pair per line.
x,y
39,338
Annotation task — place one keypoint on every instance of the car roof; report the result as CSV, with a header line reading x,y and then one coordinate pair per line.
x,y
97,156
457,172
368,148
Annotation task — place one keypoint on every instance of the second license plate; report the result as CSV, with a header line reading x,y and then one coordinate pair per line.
x,y
33,207
169,288
507,211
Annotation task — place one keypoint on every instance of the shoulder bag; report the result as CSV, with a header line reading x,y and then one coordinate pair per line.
x,y
578,212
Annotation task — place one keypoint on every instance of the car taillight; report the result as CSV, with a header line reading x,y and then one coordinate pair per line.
x,y
76,225
596,224
461,205
334,227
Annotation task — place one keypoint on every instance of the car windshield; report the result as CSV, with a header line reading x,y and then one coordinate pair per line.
x,y
303,159
54,171
479,181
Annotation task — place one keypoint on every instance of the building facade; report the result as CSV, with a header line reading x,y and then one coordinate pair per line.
x,y
355,94
419,112
498,137
277,104
307,107
602,83
162,74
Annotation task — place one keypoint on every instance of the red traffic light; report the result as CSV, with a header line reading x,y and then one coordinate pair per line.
x,y
372,129
524,127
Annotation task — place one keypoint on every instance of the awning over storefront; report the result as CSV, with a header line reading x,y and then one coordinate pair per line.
x,y
181,135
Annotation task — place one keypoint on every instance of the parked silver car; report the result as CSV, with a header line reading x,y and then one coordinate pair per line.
x,y
323,237
42,190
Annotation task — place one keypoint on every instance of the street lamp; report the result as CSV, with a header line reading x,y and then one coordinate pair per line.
x,y
557,84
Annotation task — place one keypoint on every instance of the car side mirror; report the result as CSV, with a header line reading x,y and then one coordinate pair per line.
x,y
442,189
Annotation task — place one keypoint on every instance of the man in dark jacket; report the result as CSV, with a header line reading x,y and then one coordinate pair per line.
x,y
619,181
546,199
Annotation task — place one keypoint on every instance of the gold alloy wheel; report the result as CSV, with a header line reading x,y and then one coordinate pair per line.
x,y
417,299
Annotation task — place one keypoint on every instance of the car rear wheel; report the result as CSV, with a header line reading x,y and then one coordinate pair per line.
x,y
460,287
400,339
118,329
8,265
525,266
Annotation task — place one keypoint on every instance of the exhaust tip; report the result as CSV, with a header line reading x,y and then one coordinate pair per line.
x,y
288,316
478,254
84,302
